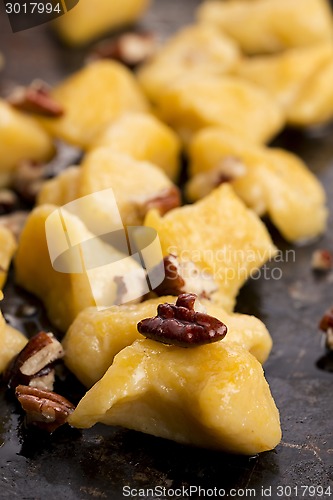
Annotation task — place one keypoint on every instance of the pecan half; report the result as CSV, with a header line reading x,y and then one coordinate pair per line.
x,y
45,409
183,277
131,49
35,98
322,260
164,201
181,325
32,366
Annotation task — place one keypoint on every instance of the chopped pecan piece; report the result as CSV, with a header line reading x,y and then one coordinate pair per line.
x,y
327,320
326,325
322,260
183,277
131,49
165,201
45,409
35,98
181,325
173,283
33,364
8,201
228,170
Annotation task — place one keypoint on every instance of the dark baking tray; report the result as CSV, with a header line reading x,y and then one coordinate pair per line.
x,y
99,462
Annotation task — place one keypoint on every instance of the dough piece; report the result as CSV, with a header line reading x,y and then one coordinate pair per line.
x,y
193,103
7,249
88,21
198,49
266,26
11,342
285,75
21,138
61,189
84,274
213,396
92,98
217,244
314,104
137,186
96,337
271,181
145,138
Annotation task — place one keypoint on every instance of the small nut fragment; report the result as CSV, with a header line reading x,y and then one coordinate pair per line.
x,y
326,325
181,325
173,283
34,362
131,49
35,98
183,277
228,170
8,201
45,409
322,260
165,201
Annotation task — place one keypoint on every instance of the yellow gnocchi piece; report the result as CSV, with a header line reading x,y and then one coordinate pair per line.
x,y
92,98
194,103
7,249
285,75
111,330
61,189
271,181
197,49
145,138
217,244
266,26
213,396
314,104
21,138
11,342
80,25
103,168
66,293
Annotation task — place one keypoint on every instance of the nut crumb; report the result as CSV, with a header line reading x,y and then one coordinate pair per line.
x,y
326,325
130,49
164,201
185,276
322,260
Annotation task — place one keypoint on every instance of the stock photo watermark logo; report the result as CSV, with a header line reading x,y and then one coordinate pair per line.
x,y
87,236
23,14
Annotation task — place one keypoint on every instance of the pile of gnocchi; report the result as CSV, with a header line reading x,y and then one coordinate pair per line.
x,y
215,93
